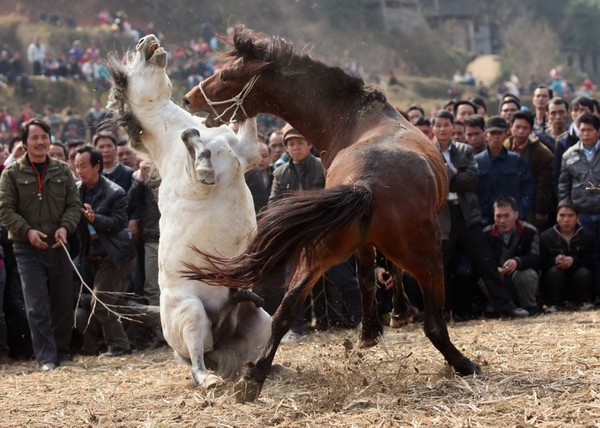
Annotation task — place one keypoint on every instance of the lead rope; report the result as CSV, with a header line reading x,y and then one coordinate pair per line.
x,y
238,101
96,299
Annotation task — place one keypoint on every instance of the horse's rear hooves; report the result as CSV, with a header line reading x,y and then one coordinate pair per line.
x,y
247,390
399,323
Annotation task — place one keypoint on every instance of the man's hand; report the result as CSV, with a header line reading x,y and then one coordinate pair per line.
x,y
508,267
563,262
36,238
60,236
384,277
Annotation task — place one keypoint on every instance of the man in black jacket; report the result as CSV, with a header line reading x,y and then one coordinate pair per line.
x,y
515,245
106,243
566,260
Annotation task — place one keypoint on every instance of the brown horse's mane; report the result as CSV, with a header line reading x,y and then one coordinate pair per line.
x,y
120,114
253,45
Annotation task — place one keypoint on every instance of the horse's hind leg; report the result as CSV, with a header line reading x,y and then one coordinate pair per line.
x,y
403,311
425,263
371,325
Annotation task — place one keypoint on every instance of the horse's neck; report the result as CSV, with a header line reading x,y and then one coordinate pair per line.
x,y
331,132
162,124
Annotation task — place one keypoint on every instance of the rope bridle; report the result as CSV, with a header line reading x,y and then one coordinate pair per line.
x,y
237,101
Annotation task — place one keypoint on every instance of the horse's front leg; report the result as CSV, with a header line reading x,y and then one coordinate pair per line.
x,y
250,385
371,325
403,311
205,171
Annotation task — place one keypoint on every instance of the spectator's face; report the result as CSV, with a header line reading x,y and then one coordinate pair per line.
x,y
588,134
265,159
495,139
126,156
458,134
298,148
57,152
108,150
442,128
85,171
557,116
505,218
541,96
577,110
567,220
520,130
414,114
475,137
508,111
464,111
276,145
38,143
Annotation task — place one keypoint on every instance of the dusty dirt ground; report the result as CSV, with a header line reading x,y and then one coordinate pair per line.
x,y
542,371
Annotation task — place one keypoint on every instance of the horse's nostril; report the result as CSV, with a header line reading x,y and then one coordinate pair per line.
x,y
186,101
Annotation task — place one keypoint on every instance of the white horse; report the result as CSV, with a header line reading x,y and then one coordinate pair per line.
x,y
205,203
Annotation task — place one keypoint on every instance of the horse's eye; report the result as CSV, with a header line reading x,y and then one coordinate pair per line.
x,y
222,77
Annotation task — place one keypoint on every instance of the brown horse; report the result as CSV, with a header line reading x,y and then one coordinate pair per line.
x,y
386,183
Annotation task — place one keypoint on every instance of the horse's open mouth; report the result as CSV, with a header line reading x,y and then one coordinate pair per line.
x,y
151,49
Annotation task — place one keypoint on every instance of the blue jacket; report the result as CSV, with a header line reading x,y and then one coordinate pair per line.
x,y
501,176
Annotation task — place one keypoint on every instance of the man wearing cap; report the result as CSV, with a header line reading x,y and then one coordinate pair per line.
x,y
501,173
106,143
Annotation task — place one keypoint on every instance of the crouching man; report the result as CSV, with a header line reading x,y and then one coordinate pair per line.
x,y
515,245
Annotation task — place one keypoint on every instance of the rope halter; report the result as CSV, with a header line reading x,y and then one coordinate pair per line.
x,y
237,101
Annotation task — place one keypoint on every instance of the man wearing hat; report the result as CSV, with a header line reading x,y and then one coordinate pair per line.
x,y
502,173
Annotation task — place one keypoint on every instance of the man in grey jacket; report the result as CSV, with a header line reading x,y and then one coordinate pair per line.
x,y
579,172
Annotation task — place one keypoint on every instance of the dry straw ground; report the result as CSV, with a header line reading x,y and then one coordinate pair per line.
x,y
542,372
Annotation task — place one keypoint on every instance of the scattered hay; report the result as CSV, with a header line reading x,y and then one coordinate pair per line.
x,y
542,371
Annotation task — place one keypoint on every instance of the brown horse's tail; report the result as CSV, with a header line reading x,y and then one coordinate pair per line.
x,y
287,229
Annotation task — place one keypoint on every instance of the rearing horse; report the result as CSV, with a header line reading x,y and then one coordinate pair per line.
x,y
386,183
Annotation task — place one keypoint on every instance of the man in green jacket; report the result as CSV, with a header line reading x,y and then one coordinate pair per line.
x,y
40,206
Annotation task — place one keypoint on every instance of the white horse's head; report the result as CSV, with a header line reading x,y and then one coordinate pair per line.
x,y
139,83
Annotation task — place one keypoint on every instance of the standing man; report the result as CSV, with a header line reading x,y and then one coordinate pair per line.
x,y
106,143
501,173
36,52
465,216
107,250
539,159
581,166
40,206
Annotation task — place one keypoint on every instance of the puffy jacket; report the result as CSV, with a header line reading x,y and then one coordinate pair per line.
x,y
575,175
501,176
286,177
526,251
581,247
21,208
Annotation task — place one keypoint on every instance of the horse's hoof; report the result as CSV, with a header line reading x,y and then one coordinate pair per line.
x,y
247,390
467,367
207,381
399,323
367,343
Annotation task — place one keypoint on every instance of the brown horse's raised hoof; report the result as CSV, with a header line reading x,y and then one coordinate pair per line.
x,y
467,367
400,318
247,389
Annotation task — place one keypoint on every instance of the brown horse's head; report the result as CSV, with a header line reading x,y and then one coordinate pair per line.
x,y
223,95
